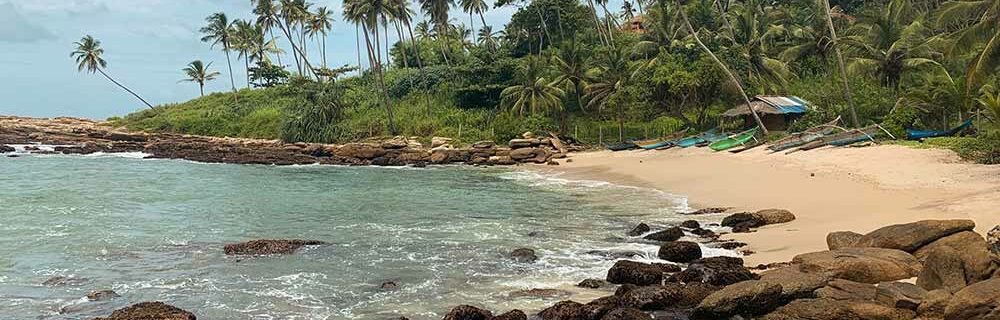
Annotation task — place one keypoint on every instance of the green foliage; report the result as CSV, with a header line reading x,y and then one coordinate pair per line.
x,y
983,149
549,22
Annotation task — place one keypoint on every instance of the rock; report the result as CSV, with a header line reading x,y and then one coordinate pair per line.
x,y
592,283
670,234
829,309
719,271
523,143
360,151
742,219
934,304
467,312
977,301
691,224
440,141
394,143
993,240
842,239
501,161
728,245
524,255
639,230
971,248
705,211
101,295
638,273
943,269
679,251
625,288
795,284
704,233
564,310
747,299
484,145
840,289
867,265
529,154
911,236
774,216
512,315
627,314
599,307
552,163
150,311
389,285
900,295
268,247
61,281
653,297
539,293
694,293
744,227
5,148
616,255
528,135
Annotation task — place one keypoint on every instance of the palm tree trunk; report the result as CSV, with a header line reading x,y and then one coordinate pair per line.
x,y
378,73
416,48
296,49
232,79
732,77
840,64
123,87
246,66
201,87
402,43
597,23
323,42
493,43
276,54
291,41
357,39
473,24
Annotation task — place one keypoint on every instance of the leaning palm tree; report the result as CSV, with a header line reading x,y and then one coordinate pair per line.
x,y
290,13
365,14
198,72
219,32
609,77
475,7
88,58
840,61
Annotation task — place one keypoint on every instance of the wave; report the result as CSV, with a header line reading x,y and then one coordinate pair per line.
x,y
554,179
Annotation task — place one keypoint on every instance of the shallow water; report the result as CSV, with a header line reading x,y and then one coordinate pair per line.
x,y
154,230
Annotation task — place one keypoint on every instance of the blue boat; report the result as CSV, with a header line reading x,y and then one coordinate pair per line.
x,y
707,136
913,134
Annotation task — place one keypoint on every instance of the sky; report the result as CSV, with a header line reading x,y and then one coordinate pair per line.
x,y
146,42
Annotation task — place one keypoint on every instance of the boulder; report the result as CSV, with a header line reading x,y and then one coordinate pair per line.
x,y
867,265
840,289
539,293
484,145
101,295
389,285
747,299
704,233
149,311
719,271
564,310
639,230
728,245
440,141
626,314
691,224
911,236
670,234
943,269
742,219
5,148
679,251
795,284
842,239
993,240
395,143
523,255
977,301
599,307
523,143
830,309
592,283
359,151
692,294
467,312
900,295
653,297
971,248
512,315
268,247
501,161
774,216
934,304
638,273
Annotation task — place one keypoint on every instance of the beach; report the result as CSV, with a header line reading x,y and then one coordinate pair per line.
x,y
829,189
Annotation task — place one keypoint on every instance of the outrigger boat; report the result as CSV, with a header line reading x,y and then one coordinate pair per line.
x,y
627,145
665,143
913,134
739,139
846,138
704,137
807,136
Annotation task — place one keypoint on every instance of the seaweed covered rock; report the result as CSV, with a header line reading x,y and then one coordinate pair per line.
x,y
268,247
626,314
512,315
911,236
679,251
467,312
149,311
868,265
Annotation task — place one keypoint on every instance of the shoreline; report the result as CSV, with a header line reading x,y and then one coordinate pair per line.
x,y
842,189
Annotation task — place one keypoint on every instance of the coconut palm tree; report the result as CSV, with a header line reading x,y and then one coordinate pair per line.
x,y
890,43
571,70
534,94
981,35
488,38
220,33
475,7
319,25
88,58
438,10
751,35
609,76
267,14
290,14
247,39
198,72
628,12
366,14
840,61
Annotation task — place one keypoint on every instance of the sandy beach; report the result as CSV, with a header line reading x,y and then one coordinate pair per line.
x,y
856,189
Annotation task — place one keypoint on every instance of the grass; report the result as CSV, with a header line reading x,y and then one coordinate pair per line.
x,y
983,149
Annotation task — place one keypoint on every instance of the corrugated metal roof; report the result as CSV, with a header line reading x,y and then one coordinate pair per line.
x,y
771,105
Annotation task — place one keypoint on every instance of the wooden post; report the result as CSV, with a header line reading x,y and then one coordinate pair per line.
x,y
600,134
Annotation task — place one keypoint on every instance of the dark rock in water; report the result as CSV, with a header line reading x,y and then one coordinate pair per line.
x,y
842,239
744,218
670,234
743,227
626,314
564,310
268,247
638,273
389,285
971,248
708,211
467,312
653,297
524,255
900,295
539,293
512,315
536,234
5,148
102,295
867,265
719,271
592,283
704,233
150,311
616,255
747,299
728,245
599,307
61,281
679,251
639,230
691,224
625,288
911,236
977,301
13,156
943,269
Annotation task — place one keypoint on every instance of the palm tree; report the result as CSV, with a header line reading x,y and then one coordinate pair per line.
x,y
937,93
628,13
609,77
318,27
571,70
289,14
267,14
475,7
889,44
840,62
534,94
198,72
366,14
247,38
219,32
751,35
984,29
437,10
488,38
88,58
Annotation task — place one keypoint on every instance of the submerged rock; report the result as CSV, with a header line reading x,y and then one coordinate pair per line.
x,y
639,230
149,311
268,247
524,255
670,234
102,295
5,148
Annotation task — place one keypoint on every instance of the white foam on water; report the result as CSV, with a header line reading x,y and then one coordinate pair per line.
x,y
554,179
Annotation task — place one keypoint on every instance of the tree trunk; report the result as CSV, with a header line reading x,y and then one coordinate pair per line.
x,y
123,87
732,77
472,23
276,54
357,39
232,79
378,73
246,66
840,64
323,42
201,88
416,47
296,49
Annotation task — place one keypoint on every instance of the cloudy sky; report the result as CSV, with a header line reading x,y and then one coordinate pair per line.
x,y
146,44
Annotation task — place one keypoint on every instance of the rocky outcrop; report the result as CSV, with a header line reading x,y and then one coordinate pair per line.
x,y
911,236
268,247
638,273
467,312
972,250
743,222
524,255
842,239
592,283
679,251
934,304
795,284
840,289
564,310
993,240
900,295
867,265
829,309
978,301
626,314
149,311
669,234
747,299
943,269
719,271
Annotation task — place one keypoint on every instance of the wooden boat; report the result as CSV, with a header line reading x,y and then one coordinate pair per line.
x,y
627,145
696,139
666,142
913,134
840,138
804,137
749,146
739,139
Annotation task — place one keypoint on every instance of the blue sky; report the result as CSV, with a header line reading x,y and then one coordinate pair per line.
x,y
146,44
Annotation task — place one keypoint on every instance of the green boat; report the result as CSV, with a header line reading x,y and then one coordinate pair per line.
x,y
736,140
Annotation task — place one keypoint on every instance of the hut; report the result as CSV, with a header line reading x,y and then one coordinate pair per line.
x,y
776,112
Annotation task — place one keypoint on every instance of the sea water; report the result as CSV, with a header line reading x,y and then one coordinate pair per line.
x,y
153,230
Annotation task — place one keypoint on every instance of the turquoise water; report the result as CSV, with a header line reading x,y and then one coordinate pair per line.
x,y
154,230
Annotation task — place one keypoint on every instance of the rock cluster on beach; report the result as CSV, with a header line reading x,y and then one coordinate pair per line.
x,y
79,136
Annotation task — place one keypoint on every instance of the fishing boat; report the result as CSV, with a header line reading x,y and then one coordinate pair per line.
x,y
914,134
739,139
807,136
852,136
666,142
627,145
749,146
697,139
